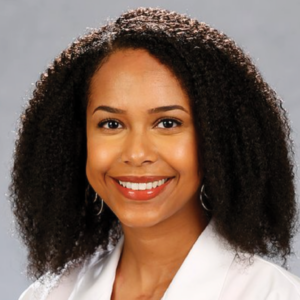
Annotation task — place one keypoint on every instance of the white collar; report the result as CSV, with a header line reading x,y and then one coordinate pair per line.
x,y
201,276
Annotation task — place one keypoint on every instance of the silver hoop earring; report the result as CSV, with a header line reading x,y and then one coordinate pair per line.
x,y
202,195
94,201
101,208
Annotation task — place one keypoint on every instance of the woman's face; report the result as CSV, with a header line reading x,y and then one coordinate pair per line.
x,y
141,142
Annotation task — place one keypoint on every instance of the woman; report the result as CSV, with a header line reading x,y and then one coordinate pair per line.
x,y
153,162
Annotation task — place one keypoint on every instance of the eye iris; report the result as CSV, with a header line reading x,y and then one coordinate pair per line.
x,y
112,124
168,123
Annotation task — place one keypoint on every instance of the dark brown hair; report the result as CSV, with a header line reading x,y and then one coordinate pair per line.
x,y
244,141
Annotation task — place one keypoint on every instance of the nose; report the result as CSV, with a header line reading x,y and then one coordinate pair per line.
x,y
138,149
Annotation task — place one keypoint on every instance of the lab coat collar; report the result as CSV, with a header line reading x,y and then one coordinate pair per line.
x,y
97,278
203,272
201,275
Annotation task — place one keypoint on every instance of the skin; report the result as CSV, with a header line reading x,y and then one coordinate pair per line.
x,y
158,232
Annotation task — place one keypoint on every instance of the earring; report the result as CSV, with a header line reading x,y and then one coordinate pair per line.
x,y
202,195
101,208
87,197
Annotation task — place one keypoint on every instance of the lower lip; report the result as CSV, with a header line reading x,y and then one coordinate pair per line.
x,y
141,195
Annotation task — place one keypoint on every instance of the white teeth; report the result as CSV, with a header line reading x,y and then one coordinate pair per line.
x,y
149,185
135,186
142,186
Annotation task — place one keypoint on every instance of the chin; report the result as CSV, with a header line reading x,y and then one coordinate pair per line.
x,y
141,221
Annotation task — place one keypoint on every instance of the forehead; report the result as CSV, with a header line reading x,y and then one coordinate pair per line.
x,y
128,74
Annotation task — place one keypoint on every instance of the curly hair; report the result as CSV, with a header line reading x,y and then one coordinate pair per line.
x,y
243,132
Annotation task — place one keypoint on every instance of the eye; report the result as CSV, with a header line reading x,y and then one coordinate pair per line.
x,y
109,124
168,123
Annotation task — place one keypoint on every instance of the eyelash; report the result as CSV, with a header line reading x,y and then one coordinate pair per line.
x,y
105,121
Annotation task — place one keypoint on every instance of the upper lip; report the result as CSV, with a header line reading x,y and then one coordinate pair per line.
x,y
140,179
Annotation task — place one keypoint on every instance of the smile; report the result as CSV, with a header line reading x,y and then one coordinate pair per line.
x,y
142,186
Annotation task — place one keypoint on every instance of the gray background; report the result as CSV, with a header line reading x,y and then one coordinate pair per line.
x,y
33,32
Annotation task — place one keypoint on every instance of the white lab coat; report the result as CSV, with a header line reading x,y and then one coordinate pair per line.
x,y
211,271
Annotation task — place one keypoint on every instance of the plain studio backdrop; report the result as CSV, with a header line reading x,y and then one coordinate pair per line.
x,y
33,32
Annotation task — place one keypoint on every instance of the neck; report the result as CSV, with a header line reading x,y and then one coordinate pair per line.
x,y
158,251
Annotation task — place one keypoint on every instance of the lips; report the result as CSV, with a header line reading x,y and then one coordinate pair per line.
x,y
141,194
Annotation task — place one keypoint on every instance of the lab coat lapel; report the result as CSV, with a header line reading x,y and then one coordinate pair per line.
x,y
201,276
97,281
203,272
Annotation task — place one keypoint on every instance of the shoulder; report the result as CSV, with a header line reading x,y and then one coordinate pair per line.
x,y
260,279
59,287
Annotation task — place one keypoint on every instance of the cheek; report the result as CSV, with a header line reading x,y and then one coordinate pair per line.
x,y
184,156
99,159
190,172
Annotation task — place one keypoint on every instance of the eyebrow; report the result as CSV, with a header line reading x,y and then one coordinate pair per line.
x,y
150,111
